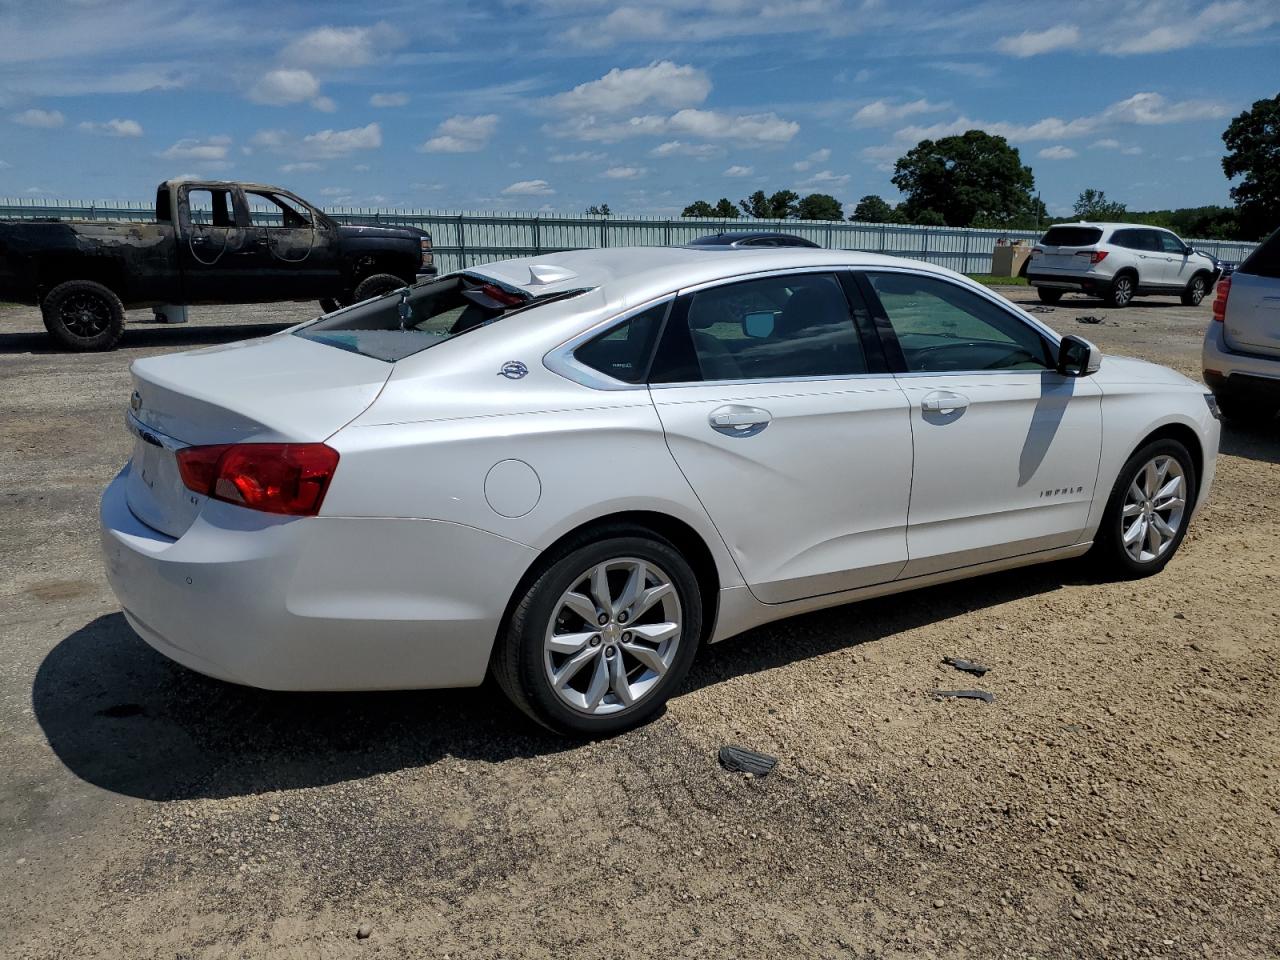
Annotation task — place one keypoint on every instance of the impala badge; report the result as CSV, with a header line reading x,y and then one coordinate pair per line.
x,y
513,370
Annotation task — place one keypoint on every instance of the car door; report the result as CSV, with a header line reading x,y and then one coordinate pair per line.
x,y
295,247
1176,261
214,254
777,407
1005,448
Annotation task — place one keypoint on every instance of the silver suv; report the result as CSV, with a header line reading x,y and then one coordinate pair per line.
x,y
1117,262
1241,358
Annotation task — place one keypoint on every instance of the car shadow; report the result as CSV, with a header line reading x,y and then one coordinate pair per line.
x,y
146,337
1259,442
126,719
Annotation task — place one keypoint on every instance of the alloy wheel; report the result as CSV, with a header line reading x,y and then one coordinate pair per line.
x,y
1197,291
85,314
1154,507
1123,291
613,636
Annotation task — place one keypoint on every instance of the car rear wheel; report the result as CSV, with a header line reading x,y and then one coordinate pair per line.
x,y
377,285
1121,291
1048,295
1195,291
83,316
1147,513
602,638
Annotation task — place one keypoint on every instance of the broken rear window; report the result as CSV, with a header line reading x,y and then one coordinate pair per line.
x,y
412,319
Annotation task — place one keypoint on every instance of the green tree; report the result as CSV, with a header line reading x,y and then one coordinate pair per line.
x,y
819,206
599,211
780,206
925,218
964,177
1093,205
723,210
873,209
1253,154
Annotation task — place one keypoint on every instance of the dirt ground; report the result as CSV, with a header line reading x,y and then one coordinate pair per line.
x,y
1120,798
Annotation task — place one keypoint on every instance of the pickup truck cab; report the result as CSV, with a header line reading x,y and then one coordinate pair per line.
x,y
211,242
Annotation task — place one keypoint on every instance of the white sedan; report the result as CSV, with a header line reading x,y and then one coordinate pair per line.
x,y
575,469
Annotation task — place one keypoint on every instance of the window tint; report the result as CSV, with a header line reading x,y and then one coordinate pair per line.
x,y
1171,244
1127,239
623,352
1071,236
1265,260
787,326
273,210
943,327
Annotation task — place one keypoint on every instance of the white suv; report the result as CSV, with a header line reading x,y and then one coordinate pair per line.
x,y
1242,345
1117,262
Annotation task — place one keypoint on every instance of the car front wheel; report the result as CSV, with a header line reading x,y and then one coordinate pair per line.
x,y
1195,291
1147,513
603,637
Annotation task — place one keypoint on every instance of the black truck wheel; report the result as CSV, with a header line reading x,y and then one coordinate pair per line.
x,y
330,304
376,286
83,316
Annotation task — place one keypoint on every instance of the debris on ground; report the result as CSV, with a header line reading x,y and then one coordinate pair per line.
x,y
966,694
968,666
1039,309
741,760
1088,318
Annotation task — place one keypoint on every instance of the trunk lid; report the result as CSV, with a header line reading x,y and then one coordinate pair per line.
x,y
1060,246
278,389
1253,303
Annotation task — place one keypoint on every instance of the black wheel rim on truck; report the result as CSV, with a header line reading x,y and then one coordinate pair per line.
x,y
85,314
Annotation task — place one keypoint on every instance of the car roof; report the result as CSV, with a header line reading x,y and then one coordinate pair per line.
x,y
736,236
632,275
1110,225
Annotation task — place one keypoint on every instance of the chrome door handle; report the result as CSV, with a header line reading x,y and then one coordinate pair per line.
x,y
943,401
738,421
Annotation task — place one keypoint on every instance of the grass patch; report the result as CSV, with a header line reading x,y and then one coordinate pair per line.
x,y
987,280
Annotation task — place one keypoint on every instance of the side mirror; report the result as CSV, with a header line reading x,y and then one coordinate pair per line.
x,y
1077,357
758,324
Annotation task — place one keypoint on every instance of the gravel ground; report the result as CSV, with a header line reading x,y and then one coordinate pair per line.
x,y
1120,798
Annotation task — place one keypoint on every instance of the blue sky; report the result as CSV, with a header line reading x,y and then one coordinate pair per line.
x,y
557,104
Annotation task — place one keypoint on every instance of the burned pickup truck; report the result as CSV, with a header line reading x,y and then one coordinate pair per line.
x,y
211,242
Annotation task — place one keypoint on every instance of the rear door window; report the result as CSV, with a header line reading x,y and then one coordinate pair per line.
x,y
623,352
1265,260
1071,236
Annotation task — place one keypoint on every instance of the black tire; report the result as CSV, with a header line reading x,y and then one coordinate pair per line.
x,y
1196,290
83,316
1122,291
519,663
377,285
1246,410
1108,545
1048,295
329,304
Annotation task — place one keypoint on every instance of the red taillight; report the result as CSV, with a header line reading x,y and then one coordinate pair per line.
x,y
495,292
1037,251
1220,300
289,478
1095,256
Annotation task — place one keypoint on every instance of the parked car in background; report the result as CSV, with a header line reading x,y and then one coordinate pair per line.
x,y
572,470
1117,262
211,242
1241,356
749,239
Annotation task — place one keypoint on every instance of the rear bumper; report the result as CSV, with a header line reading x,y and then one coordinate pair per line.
x,y
1055,281
1242,374
316,603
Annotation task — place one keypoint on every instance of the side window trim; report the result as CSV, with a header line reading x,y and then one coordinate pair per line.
x,y
562,361
893,350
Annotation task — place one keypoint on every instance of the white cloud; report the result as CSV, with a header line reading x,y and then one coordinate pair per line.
x,y
528,188
334,191
624,173
813,159
305,166
662,82
1151,108
881,112
45,119
678,148
737,170
191,149
343,46
825,179
757,128
582,156
1030,43
114,128
462,134
338,143
1215,21
388,100
1107,143
270,139
1058,152
1131,151
324,104
284,86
